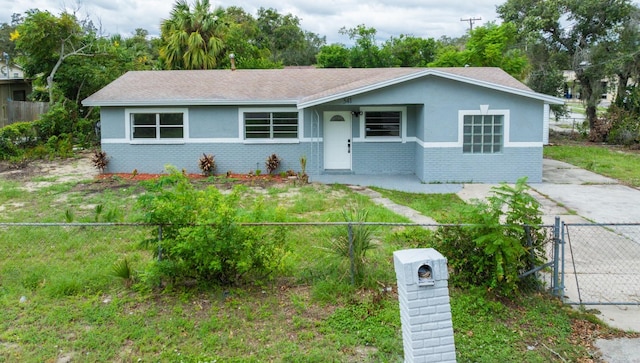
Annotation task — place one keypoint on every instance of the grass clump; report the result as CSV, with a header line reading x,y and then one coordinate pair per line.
x,y
354,241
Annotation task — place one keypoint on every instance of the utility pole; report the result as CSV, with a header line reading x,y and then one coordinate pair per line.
x,y
471,21
6,60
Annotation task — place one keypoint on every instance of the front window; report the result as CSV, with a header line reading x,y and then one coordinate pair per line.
x,y
157,125
382,123
483,134
270,125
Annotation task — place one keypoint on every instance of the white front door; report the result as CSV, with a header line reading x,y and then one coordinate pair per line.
x,y
337,140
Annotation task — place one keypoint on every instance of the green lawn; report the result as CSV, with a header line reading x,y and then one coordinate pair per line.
x,y
612,162
59,298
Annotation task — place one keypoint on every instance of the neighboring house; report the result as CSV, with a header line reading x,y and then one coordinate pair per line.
x,y
13,87
608,87
441,124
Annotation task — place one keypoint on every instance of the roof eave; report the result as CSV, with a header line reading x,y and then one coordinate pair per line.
x,y
531,94
173,103
356,91
546,98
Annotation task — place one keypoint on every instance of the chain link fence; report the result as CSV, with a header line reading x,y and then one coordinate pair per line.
x,y
586,264
602,264
71,257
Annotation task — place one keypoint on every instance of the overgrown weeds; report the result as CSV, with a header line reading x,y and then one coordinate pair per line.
x,y
501,239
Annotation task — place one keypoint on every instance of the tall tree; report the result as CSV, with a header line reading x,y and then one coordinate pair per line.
x,y
366,53
333,56
490,45
46,41
241,41
578,28
193,39
626,57
287,41
410,51
6,45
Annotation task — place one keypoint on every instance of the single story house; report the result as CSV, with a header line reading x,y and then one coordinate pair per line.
x,y
441,124
13,87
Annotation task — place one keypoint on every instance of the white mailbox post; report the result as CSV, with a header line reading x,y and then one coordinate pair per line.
x,y
425,312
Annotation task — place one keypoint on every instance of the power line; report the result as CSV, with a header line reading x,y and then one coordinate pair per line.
x,y
471,21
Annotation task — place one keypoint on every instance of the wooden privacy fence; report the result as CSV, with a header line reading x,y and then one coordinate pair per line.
x,y
25,111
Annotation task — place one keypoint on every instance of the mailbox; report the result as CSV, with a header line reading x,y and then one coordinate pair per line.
x,y
420,266
425,312
425,275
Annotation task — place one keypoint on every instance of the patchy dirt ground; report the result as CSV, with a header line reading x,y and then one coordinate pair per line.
x,y
43,173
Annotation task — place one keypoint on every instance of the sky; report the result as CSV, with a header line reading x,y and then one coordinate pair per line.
x,y
421,18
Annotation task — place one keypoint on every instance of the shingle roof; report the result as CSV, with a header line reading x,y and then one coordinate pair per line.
x,y
276,86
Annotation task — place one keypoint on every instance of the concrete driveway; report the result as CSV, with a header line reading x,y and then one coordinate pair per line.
x,y
599,199
579,196
592,196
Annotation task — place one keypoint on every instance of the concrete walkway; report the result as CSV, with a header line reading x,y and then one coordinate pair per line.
x,y
409,213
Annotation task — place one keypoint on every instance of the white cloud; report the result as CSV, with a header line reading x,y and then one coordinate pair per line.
x,y
423,18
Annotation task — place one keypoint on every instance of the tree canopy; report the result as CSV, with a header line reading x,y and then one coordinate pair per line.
x,y
193,38
487,46
572,34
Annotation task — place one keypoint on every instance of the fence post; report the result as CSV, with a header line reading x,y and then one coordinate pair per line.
x,y
159,242
561,287
532,253
556,256
351,257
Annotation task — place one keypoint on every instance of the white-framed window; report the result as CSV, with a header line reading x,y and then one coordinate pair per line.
x,y
157,125
483,134
384,123
275,125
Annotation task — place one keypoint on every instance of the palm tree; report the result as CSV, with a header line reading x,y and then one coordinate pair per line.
x,y
193,39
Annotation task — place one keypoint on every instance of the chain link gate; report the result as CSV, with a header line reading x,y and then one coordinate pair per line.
x,y
601,264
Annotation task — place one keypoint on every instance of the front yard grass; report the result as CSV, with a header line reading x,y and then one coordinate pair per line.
x,y
60,300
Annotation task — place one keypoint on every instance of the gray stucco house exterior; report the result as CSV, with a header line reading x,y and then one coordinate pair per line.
x,y
441,124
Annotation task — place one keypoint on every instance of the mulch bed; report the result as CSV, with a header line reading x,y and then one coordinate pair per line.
x,y
239,177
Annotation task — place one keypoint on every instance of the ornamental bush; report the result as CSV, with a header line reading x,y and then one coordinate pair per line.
x,y
15,138
500,239
202,238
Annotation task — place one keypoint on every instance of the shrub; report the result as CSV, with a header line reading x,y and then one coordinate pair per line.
x,y
201,235
207,164
58,120
100,159
15,138
304,178
625,127
501,240
86,132
272,163
61,146
353,245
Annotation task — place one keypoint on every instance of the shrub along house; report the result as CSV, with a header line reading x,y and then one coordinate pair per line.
x,y
441,124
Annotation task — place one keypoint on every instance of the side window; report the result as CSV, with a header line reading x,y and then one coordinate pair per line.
x,y
157,125
270,125
483,134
